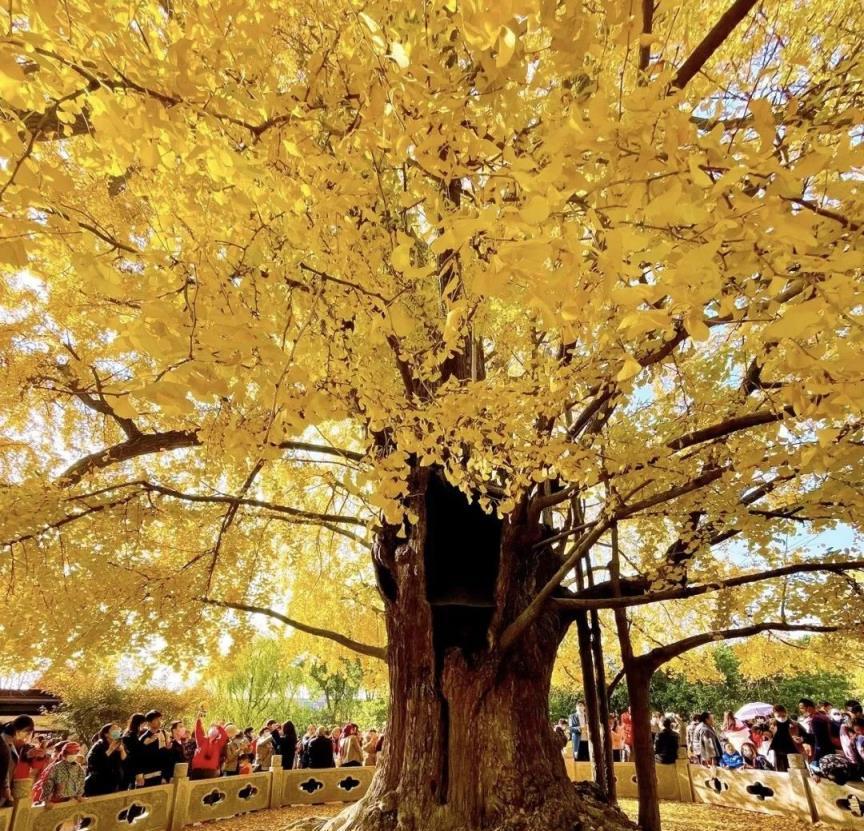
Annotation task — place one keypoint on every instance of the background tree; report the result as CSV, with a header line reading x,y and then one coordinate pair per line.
x,y
254,683
678,693
468,287
93,699
339,687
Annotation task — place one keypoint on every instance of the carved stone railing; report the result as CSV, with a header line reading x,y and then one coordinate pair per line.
x,y
793,794
187,801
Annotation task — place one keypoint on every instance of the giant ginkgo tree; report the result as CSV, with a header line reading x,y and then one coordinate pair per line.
x,y
469,285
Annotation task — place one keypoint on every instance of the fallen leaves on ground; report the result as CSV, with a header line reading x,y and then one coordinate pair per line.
x,y
677,816
684,816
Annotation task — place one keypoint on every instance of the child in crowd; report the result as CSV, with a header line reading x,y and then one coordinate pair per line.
x,y
731,759
753,760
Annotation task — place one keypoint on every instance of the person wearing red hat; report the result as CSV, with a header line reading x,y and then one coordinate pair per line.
x,y
62,780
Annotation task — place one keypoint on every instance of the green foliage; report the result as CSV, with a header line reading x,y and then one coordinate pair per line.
x,y
339,686
675,693
257,682
371,712
91,701
563,701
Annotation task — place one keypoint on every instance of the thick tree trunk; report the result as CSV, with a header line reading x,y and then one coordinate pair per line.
x,y
469,746
638,686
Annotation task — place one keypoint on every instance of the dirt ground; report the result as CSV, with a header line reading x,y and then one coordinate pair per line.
x,y
677,816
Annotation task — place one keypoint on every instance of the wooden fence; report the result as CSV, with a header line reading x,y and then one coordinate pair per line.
x,y
186,801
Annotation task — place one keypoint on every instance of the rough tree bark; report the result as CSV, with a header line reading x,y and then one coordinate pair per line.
x,y
638,684
470,747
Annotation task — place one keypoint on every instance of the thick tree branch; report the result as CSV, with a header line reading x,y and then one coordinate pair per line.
x,y
613,684
727,427
144,444
662,654
712,41
514,631
141,445
706,478
323,449
647,28
371,651
578,603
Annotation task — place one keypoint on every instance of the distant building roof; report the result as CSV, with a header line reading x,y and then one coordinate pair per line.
x,y
25,702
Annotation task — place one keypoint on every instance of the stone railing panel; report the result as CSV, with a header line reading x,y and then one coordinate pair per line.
x,y
668,786
148,809
186,802
763,791
227,796
839,804
307,787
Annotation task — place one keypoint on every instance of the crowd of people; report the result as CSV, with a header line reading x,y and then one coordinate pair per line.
x,y
830,739
145,752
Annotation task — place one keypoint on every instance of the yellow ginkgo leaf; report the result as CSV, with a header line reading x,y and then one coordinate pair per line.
x,y
506,47
401,321
535,211
630,368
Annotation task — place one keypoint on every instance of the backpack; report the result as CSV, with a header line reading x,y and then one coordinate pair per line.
x,y
837,768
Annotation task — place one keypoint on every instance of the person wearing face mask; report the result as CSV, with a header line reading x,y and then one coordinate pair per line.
x,y
785,739
63,780
179,750
207,761
105,762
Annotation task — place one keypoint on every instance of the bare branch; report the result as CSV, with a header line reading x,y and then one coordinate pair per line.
x,y
659,656
371,651
88,511
253,503
704,588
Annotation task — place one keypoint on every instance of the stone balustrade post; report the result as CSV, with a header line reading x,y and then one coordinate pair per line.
x,y
799,778
682,769
22,802
277,781
179,797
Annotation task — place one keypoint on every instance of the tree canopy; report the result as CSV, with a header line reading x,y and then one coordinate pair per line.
x,y
600,265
